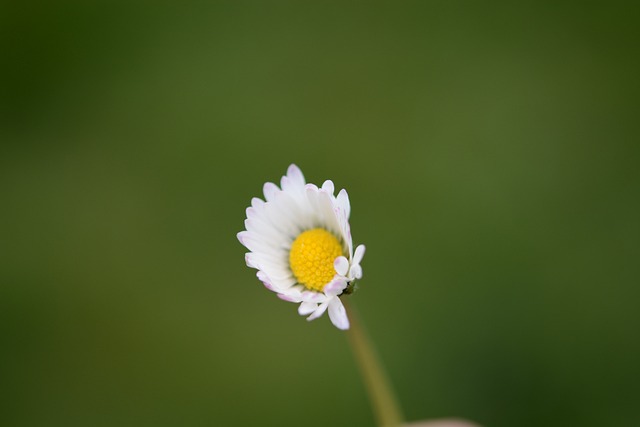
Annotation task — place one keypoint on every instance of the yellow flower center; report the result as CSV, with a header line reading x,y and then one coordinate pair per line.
x,y
311,258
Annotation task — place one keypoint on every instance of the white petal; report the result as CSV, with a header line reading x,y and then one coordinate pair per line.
x,y
256,202
293,294
307,308
343,202
357,257
295,175
251,260
312,296
326,208
355,271
265,259
255,243
287,205
265,230
281,222
288,298
270,190
319,312
335,287
269,286
328,186
341,264
281,285
338,314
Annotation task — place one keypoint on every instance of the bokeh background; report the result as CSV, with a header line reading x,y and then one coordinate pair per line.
x,y
491,155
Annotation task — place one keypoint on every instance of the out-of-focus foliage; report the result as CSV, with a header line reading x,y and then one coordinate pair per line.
x,y
491,155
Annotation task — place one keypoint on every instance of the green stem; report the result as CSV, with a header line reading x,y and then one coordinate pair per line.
x,y
385,406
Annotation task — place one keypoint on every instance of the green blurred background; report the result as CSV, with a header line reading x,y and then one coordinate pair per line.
x,y
491,155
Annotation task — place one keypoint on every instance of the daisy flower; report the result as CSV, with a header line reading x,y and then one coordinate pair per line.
x,y
299,240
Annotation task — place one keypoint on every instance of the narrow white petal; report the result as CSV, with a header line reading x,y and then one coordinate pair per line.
x,y
326,208
343,202
357,257
307,308
338,314
341,264
319,311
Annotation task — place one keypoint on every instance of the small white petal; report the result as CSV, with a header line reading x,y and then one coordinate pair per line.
x,y
355,272
341,264
338,314
328,186
270,190
319,312
307,308
357,257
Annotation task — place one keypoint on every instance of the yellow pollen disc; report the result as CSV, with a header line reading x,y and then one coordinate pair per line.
x,y
311,258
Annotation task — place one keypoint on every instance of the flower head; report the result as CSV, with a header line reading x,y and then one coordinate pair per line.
x,y
300,242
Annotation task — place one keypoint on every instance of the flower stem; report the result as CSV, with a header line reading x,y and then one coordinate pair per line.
x,y
385,406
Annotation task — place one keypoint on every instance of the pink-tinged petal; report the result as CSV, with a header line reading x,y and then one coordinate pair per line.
x,y
270,190
251,260
311,296
307,308
328,186
269,286
319,312
335,287
338,314
262,276
341,264
242,237
357,257
295,175
288,298
343,202
257,202
283,285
